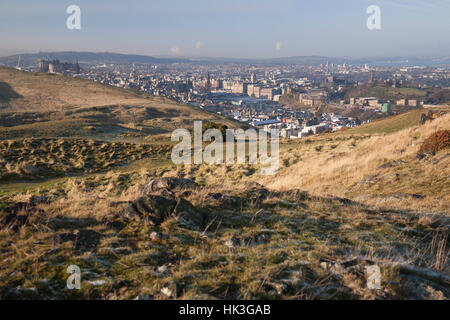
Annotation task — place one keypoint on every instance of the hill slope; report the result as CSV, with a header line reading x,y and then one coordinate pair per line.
x,y
40,104
152,230
147,234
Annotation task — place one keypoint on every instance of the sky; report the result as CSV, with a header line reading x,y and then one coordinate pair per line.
x,y
229,28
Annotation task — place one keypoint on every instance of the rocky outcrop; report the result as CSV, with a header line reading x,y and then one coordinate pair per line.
x,y
162,198
155,209
169,187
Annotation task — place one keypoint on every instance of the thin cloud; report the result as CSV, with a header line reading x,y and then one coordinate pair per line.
x,y
175,50
278,46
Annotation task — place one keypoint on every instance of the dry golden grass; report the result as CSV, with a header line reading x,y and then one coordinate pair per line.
x,y
46,92
348,169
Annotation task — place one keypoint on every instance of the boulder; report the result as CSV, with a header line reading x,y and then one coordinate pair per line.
x,y
188,215
155,209
155,236
168,186
170,289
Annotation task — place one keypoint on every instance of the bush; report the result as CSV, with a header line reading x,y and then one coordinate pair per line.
x,y
211,125
435,142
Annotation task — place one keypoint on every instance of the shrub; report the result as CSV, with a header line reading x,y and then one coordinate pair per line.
x,y
435,142
211,125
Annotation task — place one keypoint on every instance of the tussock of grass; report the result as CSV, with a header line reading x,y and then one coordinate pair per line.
x,y
39,158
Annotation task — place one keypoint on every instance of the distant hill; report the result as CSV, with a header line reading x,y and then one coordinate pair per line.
x,y
317,60
29,59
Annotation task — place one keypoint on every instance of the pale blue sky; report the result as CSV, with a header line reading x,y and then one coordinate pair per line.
x,y
229,28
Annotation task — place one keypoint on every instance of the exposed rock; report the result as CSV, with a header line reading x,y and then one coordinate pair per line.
x,y
188,215
155,236
156,209
280,288
163,269
333,267
170,289
391,177
371,179
425,154
233,243
225,199
168,186
391,164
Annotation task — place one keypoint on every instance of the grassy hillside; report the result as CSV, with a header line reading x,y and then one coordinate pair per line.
x,y
390,124
379,169
388,92
140,227
45,105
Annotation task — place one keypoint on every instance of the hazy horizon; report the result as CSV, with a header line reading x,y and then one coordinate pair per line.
x,y
12,52
233,29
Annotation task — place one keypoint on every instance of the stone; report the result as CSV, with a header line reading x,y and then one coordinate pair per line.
x,y
333,267
163,269
155,209
168,186
155,236
170,289
233,243
424,155
188,215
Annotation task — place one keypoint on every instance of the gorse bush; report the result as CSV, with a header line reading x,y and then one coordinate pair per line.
x,y
436,142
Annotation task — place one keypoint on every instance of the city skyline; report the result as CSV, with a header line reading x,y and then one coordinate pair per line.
x,y
266,29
